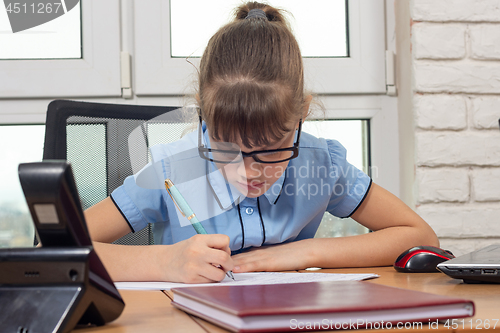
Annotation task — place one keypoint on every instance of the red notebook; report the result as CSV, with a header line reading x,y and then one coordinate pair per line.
x,y
316,306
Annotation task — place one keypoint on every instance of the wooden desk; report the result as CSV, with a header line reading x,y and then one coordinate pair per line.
x,y
486,297
147,312
151,311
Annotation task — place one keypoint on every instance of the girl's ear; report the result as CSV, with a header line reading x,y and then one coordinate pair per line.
x,y
307,104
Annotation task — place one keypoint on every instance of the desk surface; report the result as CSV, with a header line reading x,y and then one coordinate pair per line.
x,y
151,311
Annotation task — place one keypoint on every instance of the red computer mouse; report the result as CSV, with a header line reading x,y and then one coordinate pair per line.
x,y
421,259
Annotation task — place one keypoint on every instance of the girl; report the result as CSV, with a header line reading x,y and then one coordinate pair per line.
x,y
251,105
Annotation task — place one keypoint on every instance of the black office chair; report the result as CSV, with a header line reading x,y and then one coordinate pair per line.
x,y
94,138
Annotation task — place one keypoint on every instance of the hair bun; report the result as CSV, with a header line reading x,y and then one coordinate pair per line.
x,y
256,13
255,9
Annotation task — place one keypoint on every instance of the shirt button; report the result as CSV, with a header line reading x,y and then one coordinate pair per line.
x,y
249,210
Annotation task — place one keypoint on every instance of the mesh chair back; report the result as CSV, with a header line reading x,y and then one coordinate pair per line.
x,y
94,138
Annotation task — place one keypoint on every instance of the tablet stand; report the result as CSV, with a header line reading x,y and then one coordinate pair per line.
x,y
63,284
53,290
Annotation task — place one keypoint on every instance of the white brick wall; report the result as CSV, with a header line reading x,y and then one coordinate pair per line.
x,y
442,185
439,41
485,41
456,106
462,221
485,112
455,10
476,77
446,112
486,185
458,148
463,228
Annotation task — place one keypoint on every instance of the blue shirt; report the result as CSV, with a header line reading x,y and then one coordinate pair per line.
x,y
320,179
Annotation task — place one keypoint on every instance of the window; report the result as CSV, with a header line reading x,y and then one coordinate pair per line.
x,y
95,73
28,147
353,134
158,72
331,20
55,35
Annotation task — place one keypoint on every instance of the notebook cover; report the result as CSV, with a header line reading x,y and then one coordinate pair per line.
x,y
310,298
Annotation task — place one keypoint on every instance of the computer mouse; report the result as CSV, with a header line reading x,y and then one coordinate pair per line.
x,y
421,259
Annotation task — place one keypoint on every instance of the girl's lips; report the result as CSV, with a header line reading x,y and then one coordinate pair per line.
x,y
251,186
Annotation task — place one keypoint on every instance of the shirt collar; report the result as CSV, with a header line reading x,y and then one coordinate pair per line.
x,y
274,192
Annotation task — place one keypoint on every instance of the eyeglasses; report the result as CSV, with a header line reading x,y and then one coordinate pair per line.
x,y
227,152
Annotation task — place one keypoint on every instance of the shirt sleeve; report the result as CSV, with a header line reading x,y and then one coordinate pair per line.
x,y
350,184
139,205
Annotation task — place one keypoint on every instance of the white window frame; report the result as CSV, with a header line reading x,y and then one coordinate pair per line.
x,y
140,25
157,73
382,113
96,74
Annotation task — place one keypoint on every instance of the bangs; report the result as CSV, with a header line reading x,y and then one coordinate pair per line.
x,y
255,113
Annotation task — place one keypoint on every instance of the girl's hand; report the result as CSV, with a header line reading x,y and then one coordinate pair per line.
x,y
274,258
199,259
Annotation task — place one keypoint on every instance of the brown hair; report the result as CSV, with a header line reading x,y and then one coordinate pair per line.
x,y
251,80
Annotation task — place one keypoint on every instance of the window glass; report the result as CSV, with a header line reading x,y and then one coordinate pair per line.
x,y
22,143
206,17
40,30
353,135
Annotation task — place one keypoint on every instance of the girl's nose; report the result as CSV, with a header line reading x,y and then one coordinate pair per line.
x,y
249,168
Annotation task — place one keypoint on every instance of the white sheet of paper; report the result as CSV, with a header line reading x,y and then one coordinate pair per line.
x,y
251,278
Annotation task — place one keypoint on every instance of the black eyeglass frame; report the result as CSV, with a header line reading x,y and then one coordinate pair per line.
x,y
295,150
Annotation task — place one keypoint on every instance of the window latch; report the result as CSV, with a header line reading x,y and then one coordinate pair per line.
x,y
390,73
126,75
